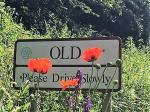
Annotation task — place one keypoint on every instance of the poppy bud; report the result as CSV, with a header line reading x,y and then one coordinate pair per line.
x,y
32,96
109,64
118,62
98,66
115,82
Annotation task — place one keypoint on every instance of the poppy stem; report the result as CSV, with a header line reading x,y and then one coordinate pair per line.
x,y
111,79
38,82
91,76
33,106
97,73
107,107
102,76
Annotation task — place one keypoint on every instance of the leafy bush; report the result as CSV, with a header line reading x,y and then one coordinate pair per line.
x,y
135,93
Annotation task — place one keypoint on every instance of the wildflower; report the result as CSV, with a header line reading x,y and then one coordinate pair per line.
x,y
87,105
68,83
79,76
39,65
92,54
73,82
63,84
69,102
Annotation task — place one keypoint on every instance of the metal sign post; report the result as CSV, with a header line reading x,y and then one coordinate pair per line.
x,y
33,106
106,106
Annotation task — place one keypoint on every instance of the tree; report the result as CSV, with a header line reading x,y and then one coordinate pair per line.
x,y
107,17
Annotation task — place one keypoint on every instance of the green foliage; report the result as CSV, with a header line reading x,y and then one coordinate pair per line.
x,y
10,31
107,17
135,92
113,4
11,100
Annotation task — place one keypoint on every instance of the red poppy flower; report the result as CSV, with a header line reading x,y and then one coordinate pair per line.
x,y
40,65
91,54
68,83
64,84
73,82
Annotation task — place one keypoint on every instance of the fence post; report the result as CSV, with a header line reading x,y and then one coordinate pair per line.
x,y
33,106
106,105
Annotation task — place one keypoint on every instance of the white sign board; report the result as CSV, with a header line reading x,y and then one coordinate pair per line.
x,y
65,55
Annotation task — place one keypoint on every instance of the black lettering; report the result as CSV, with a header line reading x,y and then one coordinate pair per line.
x,y
30,78
25,75
90,79
40,78
68,78
54,76
87,77
103,78
63,53
83,80
99,79
94,79
107,80
45,78
36,78
72,77
62,78
57,51
73,56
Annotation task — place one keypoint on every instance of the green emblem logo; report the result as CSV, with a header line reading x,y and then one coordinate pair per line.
x,y
26,52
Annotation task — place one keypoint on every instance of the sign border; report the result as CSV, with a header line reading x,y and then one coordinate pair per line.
x,y
72,39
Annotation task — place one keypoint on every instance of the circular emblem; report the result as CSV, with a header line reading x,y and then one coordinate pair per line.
x,y
26,52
